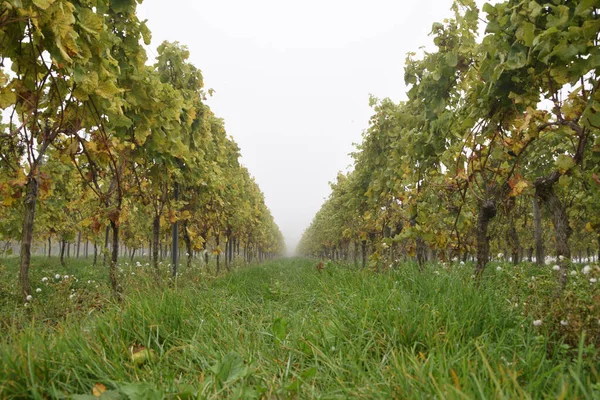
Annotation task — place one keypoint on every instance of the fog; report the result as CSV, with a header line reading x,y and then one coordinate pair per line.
x,y
292,81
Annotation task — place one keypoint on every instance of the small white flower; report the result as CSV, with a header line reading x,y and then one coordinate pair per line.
x,y
57,276
462,263
38,290
533,278
573,272
561,258
133,273
44,279
537,322
586,270
138,264
592,280
29,297
66,276
498,268
556,268
26,305
89,282
72,296
500,255
564,322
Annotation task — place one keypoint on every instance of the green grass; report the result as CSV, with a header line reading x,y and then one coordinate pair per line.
x,y
283,330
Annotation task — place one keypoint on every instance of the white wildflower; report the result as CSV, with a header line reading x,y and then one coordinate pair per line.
x,y
592,280
29,297
498,268
38,290
57,276
72,296
586,270
556,268
45,279
500,255
573,273
564,322
66,276
537,322
561,258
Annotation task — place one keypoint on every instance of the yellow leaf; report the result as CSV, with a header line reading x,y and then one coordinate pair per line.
x,y
141,355
518,188
588,227
98,390
43,4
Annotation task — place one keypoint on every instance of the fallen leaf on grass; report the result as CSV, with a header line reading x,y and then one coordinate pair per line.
x,y
98,389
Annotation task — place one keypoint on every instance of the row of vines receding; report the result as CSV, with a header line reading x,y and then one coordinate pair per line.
x,y
98,144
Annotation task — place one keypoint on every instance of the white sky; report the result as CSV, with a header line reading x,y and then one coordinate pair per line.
x,y
292,81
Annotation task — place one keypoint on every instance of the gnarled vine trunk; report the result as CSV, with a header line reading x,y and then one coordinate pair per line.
x,y
544,190
155,241
188,243
487,211
537,231
112,271
31,193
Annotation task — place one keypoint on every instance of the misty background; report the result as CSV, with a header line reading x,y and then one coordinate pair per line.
x,y
292,81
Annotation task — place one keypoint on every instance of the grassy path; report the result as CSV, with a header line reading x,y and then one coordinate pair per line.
x,y
283,330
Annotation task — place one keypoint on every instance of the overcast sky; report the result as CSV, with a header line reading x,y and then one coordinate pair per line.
x,y
292,81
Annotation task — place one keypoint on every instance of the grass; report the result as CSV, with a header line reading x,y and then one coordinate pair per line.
x,y
283,330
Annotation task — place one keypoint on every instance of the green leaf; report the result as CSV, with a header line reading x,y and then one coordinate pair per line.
x,y
141,391
517,57
564,163
121,6
526,33
7,98
488,9
585,7
452,59
90,21
279,328
309,373
43,4
230,368
107,89
534,9
591,116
